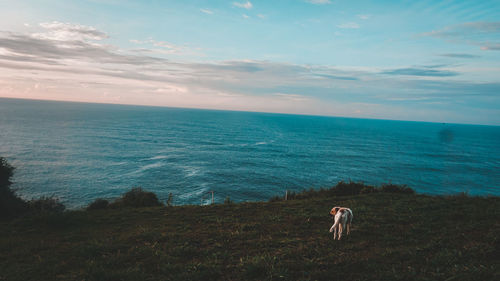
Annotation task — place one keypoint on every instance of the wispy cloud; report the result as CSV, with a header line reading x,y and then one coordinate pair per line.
x,y
349,25
69,32
42,47
460,56
483,34
292,97
465,30
245,5
490,46
319,2
423,71
93,70
364,17
159,46
207,11
335,77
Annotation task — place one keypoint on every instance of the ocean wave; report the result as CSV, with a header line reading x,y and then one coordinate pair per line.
x,y
147,167
158,157
194,194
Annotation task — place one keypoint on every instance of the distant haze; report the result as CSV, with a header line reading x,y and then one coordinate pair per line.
x,y
435,61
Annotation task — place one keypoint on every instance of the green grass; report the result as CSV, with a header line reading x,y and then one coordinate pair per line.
x,y
393,237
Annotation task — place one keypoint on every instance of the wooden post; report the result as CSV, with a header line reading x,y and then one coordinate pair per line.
x,y
212,196
286,195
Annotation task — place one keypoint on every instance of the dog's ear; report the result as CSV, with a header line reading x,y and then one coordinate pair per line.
x,y
334,211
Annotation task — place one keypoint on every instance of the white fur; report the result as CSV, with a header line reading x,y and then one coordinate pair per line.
x,y
342,220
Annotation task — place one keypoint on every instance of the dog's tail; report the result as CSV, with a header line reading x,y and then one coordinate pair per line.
x,y
349,217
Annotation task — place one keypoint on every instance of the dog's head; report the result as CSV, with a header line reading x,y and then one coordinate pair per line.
x,y
334,211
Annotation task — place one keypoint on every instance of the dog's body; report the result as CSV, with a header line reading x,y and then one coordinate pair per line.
x,y
342,218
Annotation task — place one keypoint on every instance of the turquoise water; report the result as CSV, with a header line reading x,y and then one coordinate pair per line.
x,y
79,152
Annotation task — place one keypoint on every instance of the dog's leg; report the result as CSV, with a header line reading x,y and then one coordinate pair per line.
x,y
341,229
349,220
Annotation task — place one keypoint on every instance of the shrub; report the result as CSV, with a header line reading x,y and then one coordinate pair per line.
x,y
276,198
345,189
368,189
137,197
170,200
228,200
6,172
10,204
98,204
393,188
46,205
351,188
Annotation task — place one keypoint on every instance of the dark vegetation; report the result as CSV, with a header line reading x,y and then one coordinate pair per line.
x,y
396,235
10,204
345,189
136,197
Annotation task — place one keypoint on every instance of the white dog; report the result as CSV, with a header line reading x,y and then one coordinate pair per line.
x,y
342,218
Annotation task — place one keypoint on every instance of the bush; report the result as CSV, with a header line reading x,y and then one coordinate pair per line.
x,y
351,188
46,205
276,198
170,200
6,172
137,197
228,200
345,189
98,204
393,188
10,204
368,189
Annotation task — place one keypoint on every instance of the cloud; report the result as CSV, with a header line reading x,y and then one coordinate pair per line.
x,y
292,97
491,46
460,56
465,30
319,2
482,34
69,32
329,76
349,25
412,71
364,17
86,70
207,11
245,5
57,51
240,66
162,47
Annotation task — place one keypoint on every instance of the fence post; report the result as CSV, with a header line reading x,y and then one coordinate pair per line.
x,y
286,195
212,197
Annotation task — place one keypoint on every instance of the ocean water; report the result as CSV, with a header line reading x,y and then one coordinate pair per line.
x,y
79,152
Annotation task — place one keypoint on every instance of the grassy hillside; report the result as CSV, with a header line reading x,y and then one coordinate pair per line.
x,y
394,237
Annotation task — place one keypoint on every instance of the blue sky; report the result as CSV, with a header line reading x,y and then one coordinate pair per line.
x,y
433,61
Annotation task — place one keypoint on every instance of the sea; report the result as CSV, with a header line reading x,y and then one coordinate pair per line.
x,y
79,152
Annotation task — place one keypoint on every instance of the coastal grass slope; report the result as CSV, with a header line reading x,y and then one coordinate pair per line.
x,y
395,236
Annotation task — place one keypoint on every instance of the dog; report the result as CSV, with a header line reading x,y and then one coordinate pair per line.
x,y
342,218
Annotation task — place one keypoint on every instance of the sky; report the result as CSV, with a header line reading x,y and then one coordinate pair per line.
x,y
436,61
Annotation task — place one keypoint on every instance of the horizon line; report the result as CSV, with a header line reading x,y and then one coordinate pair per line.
x,y
247,111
